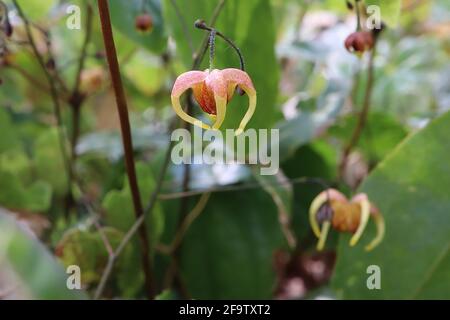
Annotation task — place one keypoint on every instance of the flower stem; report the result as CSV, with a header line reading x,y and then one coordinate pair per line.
x,y
200,24
212,47
362,119
116,79
358,15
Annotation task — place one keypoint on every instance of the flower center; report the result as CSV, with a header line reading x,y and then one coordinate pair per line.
x,y
204,96
346,216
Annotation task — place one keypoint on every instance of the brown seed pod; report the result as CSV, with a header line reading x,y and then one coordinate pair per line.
x,y
144,22
360,41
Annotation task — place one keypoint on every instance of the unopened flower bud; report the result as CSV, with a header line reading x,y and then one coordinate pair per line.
x,y
144,22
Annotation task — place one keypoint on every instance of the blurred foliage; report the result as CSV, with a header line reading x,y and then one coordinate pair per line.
x,y
38,272
309,87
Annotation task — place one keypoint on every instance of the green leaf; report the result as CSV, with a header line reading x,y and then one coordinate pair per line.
x,y
87,250
123,16
17,190
390,10
119,205
227,252
256,40
9,137
48,161
37,270
146,73
120,215
411,189
37,9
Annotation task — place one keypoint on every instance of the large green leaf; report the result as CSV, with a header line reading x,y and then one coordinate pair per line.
x,y
227,252
123,15
36,269
255,39
411,188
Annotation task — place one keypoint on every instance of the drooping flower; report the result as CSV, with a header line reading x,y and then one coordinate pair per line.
x,y
144,22
360,41
213,90
332,209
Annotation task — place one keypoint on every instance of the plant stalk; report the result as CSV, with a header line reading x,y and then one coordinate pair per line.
x,y
147,263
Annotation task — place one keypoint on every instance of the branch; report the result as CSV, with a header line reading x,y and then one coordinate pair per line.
x,y
246,186
76,98
362,119
33,81
87,39
283,214
154,196
147,263
138,223
188,220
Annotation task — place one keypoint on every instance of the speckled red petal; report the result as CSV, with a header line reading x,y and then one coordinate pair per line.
x,y
238,77
187,80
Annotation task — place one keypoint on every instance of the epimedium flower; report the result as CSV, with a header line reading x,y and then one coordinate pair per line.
x,y
360,41
332,209
212,90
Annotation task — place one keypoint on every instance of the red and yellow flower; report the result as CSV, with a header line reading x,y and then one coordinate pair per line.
x,y
213,90
332,209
